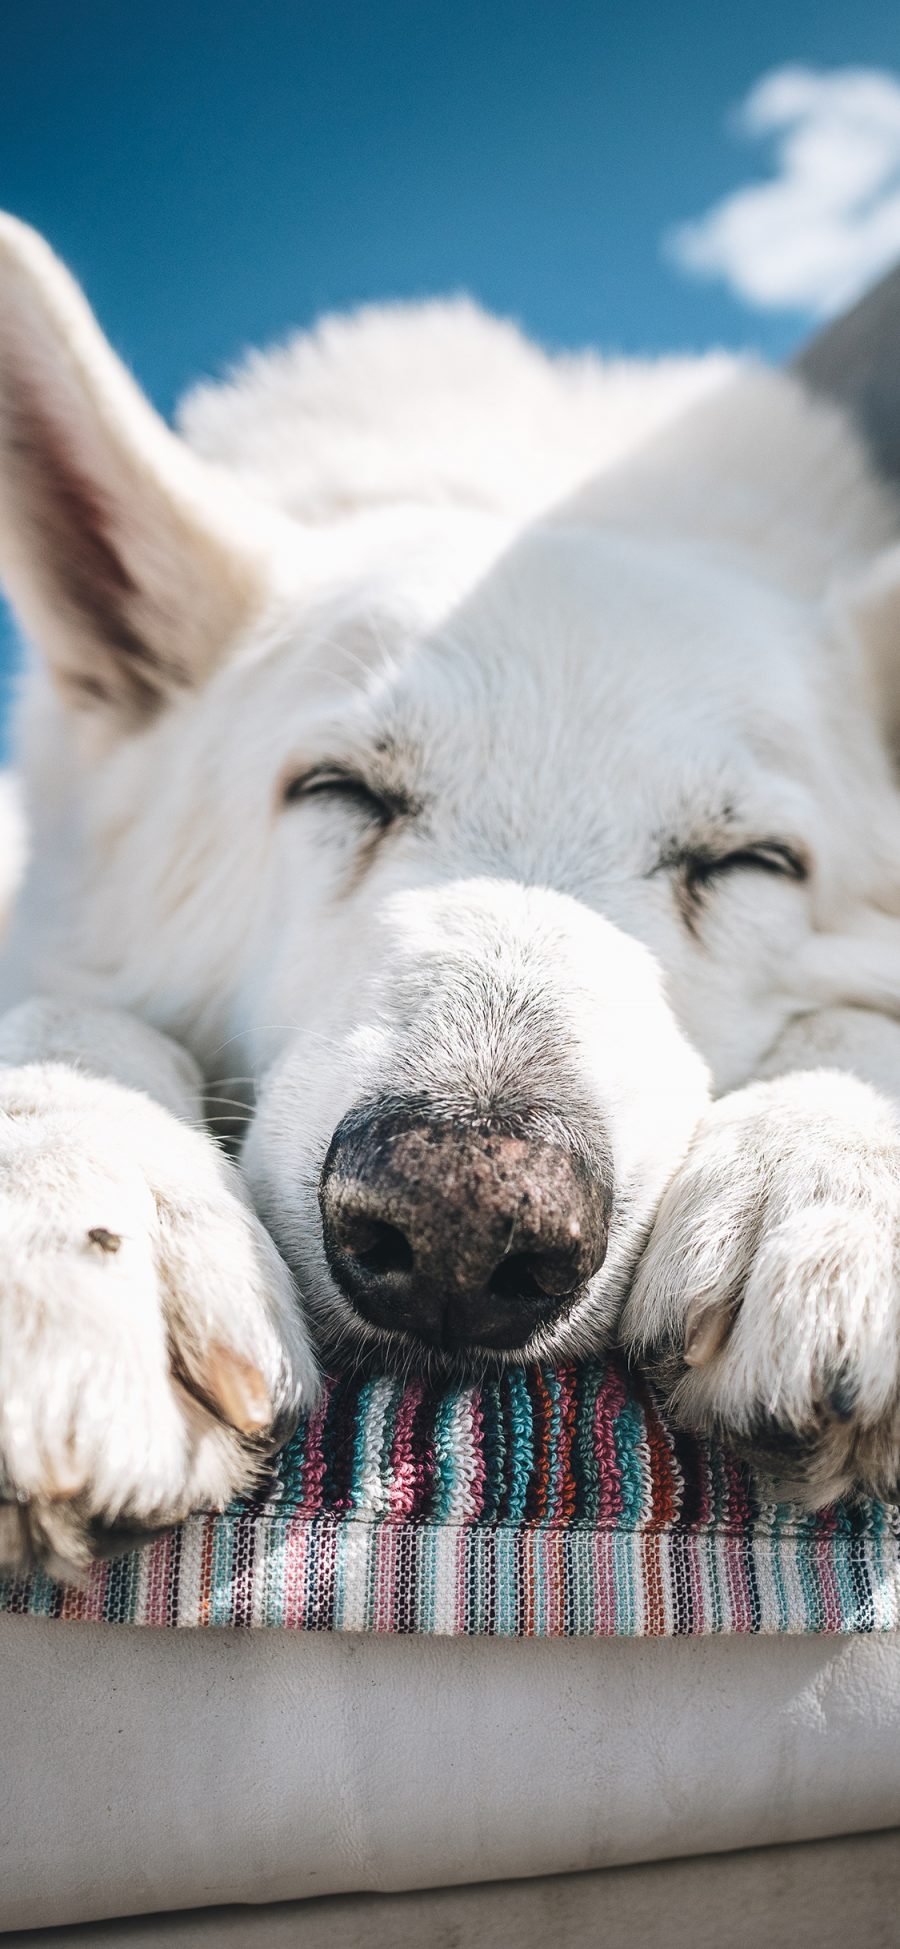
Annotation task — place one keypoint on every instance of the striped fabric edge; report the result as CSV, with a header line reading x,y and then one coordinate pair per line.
x,y
318,1574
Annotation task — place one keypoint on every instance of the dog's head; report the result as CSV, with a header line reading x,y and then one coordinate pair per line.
x,y
466,848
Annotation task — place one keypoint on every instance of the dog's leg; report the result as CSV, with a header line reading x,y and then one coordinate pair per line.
x,y
767,1303
152,1348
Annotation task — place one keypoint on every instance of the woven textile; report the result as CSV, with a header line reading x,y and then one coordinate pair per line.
x,y
551,1502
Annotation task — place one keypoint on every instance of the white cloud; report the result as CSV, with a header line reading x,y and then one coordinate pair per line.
x,y
828,220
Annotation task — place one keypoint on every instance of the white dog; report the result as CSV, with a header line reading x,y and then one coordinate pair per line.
x,y
476,767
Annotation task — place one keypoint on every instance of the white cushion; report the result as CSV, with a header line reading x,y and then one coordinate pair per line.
x,y
817,1895
148,1770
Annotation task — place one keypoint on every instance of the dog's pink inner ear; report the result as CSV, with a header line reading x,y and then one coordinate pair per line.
x,y
127,588
133,565
75,529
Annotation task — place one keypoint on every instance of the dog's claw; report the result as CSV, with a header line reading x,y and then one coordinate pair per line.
x,y
707,1327
238,1390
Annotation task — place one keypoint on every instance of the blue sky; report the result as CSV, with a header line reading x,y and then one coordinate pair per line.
x,y
218,173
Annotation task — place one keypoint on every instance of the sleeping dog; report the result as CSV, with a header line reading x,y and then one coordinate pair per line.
x,y
464,779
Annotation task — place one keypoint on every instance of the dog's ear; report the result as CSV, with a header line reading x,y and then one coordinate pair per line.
x,y
132,564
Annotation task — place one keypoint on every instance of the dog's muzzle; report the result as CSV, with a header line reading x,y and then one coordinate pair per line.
x,y
463,1233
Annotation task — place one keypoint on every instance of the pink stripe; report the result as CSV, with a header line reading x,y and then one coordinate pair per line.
x,y
478,1476
385,1559
741,1618
604,1585
822,1561
554,1576
295,1552
158,1582
564,1438
738,1519
313,1454
405,1476
738,1511
611,1399
96,1593
698,1606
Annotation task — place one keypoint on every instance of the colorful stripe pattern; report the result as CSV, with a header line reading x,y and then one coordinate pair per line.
x,y
553,1502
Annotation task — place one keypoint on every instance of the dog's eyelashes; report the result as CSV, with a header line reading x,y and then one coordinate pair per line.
x,y
698,872
769,856
329,781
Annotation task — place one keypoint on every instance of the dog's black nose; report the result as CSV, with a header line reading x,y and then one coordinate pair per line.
x,y
461,1233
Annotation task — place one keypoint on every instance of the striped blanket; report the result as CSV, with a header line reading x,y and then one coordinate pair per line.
x,y
550,1502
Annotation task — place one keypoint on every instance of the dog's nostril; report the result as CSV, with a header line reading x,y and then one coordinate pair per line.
x,y
378,1248
533,1275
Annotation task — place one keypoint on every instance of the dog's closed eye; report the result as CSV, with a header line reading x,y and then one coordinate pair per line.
x,y
698,870
768,856
332,781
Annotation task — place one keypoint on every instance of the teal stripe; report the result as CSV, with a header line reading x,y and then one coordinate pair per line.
x,y
721,1610
521,1455
360,1442
493,1451
626,1619
445,1462
221,1603
41,1593
507,1582
628,1429
425,1595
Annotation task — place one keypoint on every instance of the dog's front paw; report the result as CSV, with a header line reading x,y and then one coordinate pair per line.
x,y
152,1351
767,1304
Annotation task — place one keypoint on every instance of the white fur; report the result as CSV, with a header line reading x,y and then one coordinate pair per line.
x,y
582,618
